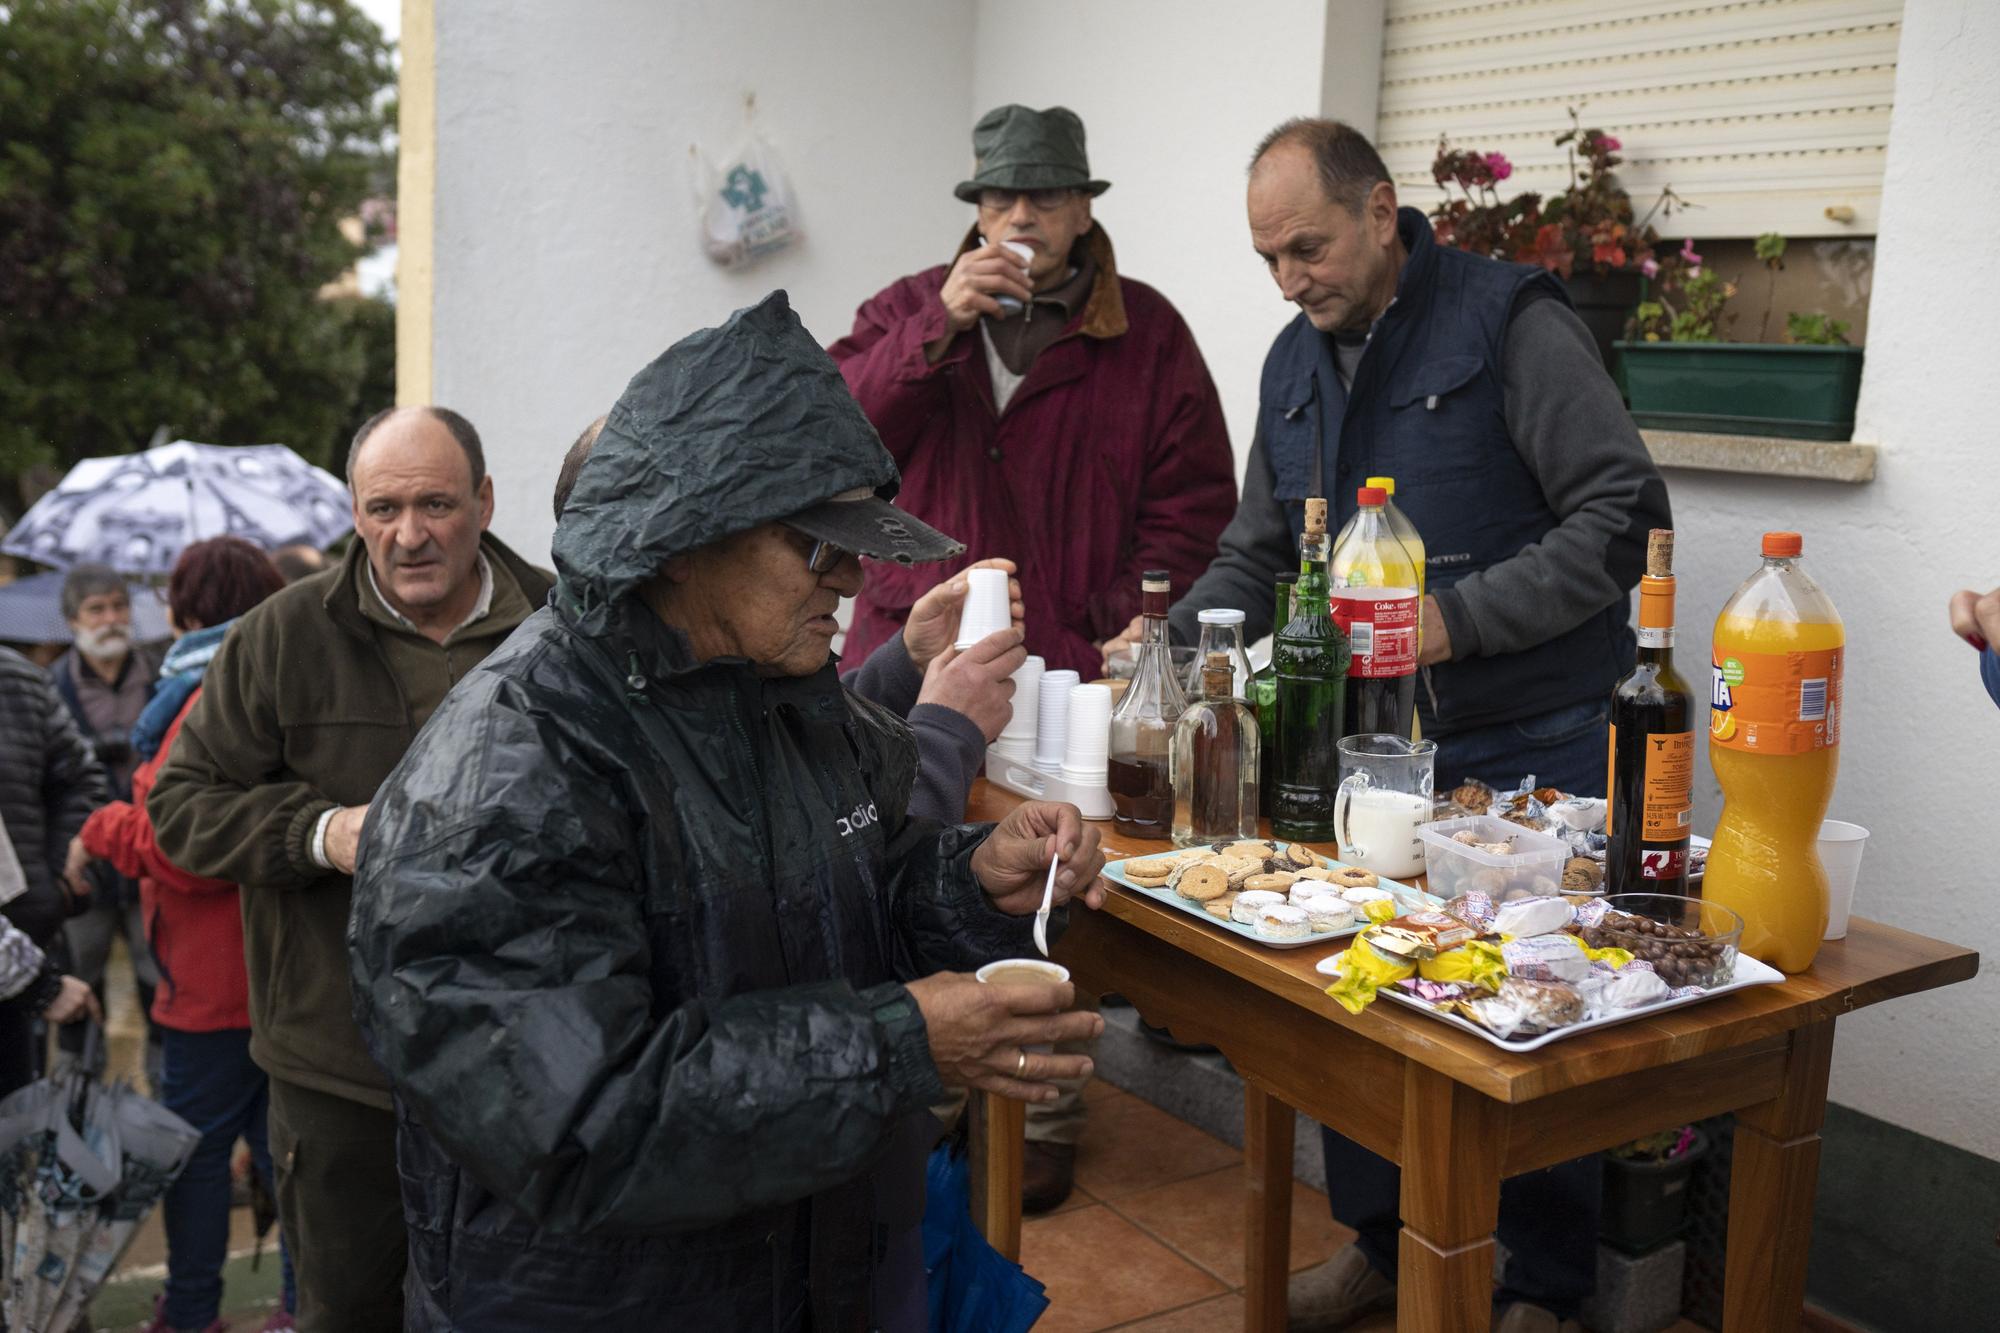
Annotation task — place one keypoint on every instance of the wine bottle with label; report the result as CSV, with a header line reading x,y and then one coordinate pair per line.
x,y
1651,773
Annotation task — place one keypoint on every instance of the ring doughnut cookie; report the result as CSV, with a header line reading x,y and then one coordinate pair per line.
x,y
1353,877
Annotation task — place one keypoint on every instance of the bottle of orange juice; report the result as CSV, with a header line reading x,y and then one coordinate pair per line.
x,y
1774,742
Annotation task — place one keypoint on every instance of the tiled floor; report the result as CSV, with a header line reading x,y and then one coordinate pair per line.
x,y
1152,1239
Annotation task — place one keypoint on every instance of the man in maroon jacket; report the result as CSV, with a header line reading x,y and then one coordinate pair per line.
x,y
1041,407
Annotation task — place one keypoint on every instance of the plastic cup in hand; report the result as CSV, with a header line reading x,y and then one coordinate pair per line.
x,y
1087,744
1840,848
1012,304
1052,716
1017,738
986,606
1024,972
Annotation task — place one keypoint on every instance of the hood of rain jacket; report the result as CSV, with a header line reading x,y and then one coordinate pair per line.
x,y
630,930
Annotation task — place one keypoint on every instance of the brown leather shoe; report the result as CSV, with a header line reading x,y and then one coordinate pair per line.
x,y
1048,1174
1336,1293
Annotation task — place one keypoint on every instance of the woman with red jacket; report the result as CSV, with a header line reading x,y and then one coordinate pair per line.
x,y
196,930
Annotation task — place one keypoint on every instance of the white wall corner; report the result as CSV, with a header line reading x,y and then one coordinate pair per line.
x,y
1351,68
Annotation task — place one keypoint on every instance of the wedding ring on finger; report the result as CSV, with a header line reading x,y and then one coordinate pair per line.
x,y
1021,1065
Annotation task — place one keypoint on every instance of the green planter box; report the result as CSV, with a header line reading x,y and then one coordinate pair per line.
x,y
1801,393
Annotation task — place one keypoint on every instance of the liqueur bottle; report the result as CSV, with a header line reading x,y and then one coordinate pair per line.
x,y
1310,659
1215,761
1142,727
1651,771
1264,687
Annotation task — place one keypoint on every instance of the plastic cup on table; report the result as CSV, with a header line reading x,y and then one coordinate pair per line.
x,y
1087,744
986,606
1017,738
1052,716
1840,848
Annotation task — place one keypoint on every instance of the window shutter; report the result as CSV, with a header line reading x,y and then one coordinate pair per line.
x,y
1766,114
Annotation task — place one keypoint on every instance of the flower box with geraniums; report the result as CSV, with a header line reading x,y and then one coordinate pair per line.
x,y
1584,234
1680,375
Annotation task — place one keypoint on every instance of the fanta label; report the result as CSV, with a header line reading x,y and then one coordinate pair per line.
x,y
1775,703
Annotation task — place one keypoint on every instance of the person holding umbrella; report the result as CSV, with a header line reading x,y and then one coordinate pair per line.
x,y
195,925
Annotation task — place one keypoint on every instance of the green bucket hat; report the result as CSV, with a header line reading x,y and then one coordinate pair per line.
x,y
1019,148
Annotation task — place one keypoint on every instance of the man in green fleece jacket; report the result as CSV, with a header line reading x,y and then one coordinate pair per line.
x,y
312,700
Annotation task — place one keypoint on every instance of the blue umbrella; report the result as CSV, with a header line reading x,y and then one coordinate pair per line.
x,y
31,611
137,512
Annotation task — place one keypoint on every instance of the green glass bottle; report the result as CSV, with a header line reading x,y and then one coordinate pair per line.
x,y
1264,688
1310,657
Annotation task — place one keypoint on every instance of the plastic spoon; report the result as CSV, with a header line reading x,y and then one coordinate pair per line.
x,y
1048,898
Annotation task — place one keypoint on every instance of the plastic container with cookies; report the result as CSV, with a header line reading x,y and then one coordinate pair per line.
x,y
1491,856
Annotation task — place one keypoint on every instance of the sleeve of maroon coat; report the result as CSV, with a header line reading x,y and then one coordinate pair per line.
x,y
122,832
883,359
1188,491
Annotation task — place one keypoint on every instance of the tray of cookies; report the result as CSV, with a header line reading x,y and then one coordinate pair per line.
x,y
1283,895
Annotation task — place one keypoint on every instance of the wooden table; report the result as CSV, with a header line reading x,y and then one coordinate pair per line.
x,y
1460,1115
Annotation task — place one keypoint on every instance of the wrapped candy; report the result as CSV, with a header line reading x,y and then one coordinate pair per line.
x,y
1533,916
1363,971
1546,958
1524,1007
1475,909
1479,963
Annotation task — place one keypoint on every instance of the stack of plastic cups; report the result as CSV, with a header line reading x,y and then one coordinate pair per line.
x,y
1087,748
1052,717
1017,739
986,606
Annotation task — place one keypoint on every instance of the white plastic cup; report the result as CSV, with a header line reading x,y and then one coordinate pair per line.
x,y
1042,969
986,603
1052,716
1840,848
1087,746
1017,738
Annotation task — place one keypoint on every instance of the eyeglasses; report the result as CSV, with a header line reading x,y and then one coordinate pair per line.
x,y
824,557
1043,201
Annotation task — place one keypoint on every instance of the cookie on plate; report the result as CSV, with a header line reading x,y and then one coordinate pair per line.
x,y
1270,882
1202,883
1151,871
1259,850
1324,874
1238,868
1301,855
1354,877
1222,907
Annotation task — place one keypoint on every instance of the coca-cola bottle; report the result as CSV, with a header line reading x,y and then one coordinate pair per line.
x,y
1375,601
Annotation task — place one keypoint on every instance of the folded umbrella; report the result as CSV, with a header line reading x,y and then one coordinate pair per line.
x,y
138,512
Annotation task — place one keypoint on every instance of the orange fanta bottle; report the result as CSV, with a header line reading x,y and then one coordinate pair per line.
x,y
1774,742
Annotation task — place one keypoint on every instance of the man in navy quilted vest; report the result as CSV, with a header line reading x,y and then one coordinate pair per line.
x,y
1473,383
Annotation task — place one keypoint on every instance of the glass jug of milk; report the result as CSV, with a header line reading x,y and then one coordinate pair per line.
x,y
1384,797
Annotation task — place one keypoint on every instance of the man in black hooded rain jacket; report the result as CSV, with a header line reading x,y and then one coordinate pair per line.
x,y
661,971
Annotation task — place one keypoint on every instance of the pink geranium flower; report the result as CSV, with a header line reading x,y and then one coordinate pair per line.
x,y
1498,164
1688,256
1651,267
1608,144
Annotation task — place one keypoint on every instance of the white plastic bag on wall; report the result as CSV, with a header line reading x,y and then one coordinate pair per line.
x,y
747,209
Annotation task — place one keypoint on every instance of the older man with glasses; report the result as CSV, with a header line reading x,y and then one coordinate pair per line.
x,y
663,970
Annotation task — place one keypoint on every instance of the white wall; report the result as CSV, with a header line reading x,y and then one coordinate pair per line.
x,y
1174,95
568,252
1920,751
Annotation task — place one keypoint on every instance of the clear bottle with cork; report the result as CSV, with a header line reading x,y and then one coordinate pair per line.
x,y
1215,760
1650,775
1310,659
1142,727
